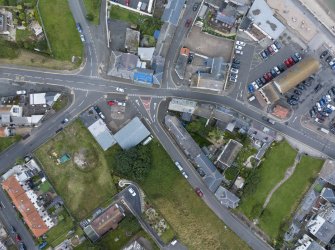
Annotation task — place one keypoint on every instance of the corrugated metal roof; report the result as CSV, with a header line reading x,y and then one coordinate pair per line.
x,y
102,134
296,74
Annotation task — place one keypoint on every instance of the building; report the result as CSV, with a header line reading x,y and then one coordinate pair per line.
x,y
106,221
13,114
48,98
239,182
132,41
6,22
307,243
227,198
211,175
144,76
214,78
24,200
184,51
135,245
173,11
36,28
328,194
321,229
228,154
296,74
269,93
182,105
131,134
122,65
263,19
327,172
146,54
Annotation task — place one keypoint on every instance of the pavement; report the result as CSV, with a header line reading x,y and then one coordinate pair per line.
x,y
88,87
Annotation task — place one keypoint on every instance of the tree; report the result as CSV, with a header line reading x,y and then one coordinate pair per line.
x,y
134,163
195,126
216,134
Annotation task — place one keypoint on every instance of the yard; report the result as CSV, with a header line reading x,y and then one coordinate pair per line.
x,y
194,223
269,173
61,29
93,9
85,181
147,25
274,220
5,142
8,50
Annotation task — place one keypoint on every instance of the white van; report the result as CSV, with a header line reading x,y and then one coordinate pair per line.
x,y
146,141
251,98
324,130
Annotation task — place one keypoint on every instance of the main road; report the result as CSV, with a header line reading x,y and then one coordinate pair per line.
x,y
87,87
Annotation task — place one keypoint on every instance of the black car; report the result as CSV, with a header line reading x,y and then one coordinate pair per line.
x,y
97,109
323,54
301,87
195,6
317,88
273,73
292,102
277,44
190,58
236,61
307,83
297,92
295,59
264,55
328,59
235,66
282,67
315,109
333,90
263,80
295,97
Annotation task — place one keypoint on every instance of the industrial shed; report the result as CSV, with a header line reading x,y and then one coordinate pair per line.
x,y
296,74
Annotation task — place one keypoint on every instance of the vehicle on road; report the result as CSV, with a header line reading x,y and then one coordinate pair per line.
x,y
22,246
268,120
120,90
199,192
240,43
324,130
78,26
66,120
195,6
185,175
12,229
323,54
147,140
82,38
21,92
188,23
329,58
18,238
240,52
178,166
132,192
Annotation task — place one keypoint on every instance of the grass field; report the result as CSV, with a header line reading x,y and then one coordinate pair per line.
x,y
61,29
286,199
82,189
194,223
93,7
5,142
8,50
271,171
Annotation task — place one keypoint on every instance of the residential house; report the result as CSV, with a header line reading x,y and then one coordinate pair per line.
x,y
321,228
227,198
228,154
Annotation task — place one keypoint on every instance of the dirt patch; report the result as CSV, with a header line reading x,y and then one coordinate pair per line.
x,y
79,159
27,58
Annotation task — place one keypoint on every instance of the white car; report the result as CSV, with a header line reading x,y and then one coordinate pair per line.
x,y
132,192
331,107
101,116
240,52
82,38
185,175
178,166
318,106
240,43
21,92
123,104
119,90
277,70
274,48
234,70
254,84
328,98
238,47
332,62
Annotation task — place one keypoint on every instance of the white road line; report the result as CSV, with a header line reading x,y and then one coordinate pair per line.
x,y
81,103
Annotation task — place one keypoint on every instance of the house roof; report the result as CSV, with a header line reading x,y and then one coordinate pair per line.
x,y
230,20
143,76
328,172
269,93
182,105
172,11
262,16
229,152
322,229
296,74
122,64
102,134
226,197
25,206
328,194
146,54
131,134
132,40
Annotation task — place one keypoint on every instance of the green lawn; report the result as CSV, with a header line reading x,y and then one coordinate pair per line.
x,y
58,234
5,142
82,189
194,223
147,25
93,7
270,172
8,50
61,29
286,199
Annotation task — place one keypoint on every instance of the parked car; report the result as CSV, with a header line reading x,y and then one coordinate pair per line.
x,y
234,70
190,58
323,54
295,97
235,66
195,6
292,102
297,92
82,38
240,52
185,175
111,103
232,75
251,88
236,61
12,230
301,87
264,55
295,59
274,48
278,45
317,88
78,26
312,113
22,246
270,49
273,73
65,121
119,89
238,47
332,62
254,84
199,192
263,80
132,192
18,238
298,56
21,92
277,70
240,43
329,58
282,67
232,79
188,23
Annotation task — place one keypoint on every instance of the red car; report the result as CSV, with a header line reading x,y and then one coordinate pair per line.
x,y
188,23
18,238
199,192
289,62
111,103
270,49
267,76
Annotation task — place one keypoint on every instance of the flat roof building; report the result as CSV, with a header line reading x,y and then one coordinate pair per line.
x,y
146,54
102,134
321,229
182,105
131,134
296,74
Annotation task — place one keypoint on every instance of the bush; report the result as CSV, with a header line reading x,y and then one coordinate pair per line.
x,y
90,17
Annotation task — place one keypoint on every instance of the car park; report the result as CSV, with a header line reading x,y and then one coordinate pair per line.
x,y
240,43
195,6
240,52
323,54
199,192
234,70
238,47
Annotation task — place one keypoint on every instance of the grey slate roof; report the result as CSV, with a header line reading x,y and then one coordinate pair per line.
x,y
172,11
91,234
131,134
226,197
326,232
328,194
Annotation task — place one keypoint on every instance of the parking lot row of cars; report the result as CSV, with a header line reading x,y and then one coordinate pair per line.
x,y
328,58
80,30
236,62
270,50
323,108
274,72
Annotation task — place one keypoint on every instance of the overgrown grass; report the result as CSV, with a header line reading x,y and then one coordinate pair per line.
x,y
270,172
147,25
8,50
93,7
5,142
61,29
194,223
286,199
60,103
82,189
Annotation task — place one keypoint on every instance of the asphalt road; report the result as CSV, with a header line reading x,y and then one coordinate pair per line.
x,y
88,87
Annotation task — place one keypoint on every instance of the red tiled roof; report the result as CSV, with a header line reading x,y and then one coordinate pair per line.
x,y
25,206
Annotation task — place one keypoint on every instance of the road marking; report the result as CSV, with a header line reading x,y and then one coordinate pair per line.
x,y
294,119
